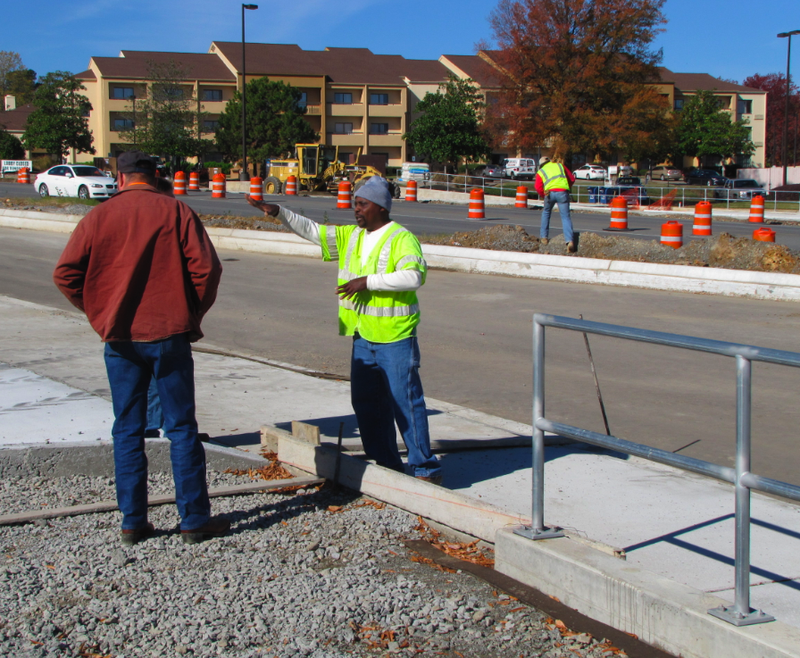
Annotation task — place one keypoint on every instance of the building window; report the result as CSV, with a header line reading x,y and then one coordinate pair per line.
x,y
212,94
123,124
744,107
121,93
678,104
379,129
343,98
379,99
343,128
210,125
303,100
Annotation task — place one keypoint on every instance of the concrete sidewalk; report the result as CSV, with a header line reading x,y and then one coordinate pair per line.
x,y
623,515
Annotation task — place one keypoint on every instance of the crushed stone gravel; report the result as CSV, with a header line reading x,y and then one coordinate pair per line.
x,y
317,574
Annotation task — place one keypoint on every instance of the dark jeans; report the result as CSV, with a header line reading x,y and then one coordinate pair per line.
x,y
130,367
385,387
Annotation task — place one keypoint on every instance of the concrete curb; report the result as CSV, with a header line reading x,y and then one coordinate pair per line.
x,y
660,612
676,278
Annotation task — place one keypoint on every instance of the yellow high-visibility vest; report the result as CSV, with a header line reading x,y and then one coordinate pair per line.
x,y
553,176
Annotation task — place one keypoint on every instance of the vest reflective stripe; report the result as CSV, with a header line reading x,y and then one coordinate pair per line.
x,y
379,311
383,261
330,240
405,260
554,181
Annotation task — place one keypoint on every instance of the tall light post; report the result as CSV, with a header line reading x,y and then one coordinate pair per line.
x,y
243,172
788,35
133,101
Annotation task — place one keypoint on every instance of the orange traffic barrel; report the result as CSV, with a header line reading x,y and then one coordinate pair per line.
x,y
194,182
218,186
256,188
344,199
619,214
411,190
672,234
522,197
757,210
179,183
476,208
291,186
23,176
764,234
702,219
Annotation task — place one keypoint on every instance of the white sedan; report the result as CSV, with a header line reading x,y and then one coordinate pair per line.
x,y
82,181
590,172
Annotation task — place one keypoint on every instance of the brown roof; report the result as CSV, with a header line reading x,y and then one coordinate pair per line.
x,y
342,65
703,82
476,68
86,75
136,64
15,120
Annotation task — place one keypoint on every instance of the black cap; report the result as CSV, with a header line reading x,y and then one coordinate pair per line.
x,y
132,162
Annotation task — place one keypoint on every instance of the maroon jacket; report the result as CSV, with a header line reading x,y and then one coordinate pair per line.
x,y
141,266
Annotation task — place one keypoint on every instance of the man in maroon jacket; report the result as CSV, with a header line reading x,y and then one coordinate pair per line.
x,y
143,269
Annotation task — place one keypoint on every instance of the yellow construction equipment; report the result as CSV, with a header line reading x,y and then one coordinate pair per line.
x,y
316,167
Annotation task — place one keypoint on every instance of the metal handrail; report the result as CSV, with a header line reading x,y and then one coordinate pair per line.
x,y
740,614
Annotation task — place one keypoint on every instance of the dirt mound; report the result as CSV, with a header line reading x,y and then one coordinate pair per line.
x,y
723,251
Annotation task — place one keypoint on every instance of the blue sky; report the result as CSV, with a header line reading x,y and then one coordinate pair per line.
x,y
731,39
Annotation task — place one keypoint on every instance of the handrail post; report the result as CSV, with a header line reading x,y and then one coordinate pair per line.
x,y
740,614
537,529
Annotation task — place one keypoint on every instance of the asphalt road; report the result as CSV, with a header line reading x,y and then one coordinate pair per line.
x,y
440,218
475,338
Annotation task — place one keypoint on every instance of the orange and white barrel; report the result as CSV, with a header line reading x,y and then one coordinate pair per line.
x,y
256,188
23,176
179,183
672,234
702,219
764,234
476,206
344,200
218,186
291,186
619,214
757,209
522,197
411,190
194,182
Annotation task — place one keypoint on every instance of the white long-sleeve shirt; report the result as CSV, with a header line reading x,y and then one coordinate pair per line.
x,y
308,229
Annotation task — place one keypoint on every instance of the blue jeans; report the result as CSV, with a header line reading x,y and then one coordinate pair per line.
x,y
562,199
385,388
155,417
130,368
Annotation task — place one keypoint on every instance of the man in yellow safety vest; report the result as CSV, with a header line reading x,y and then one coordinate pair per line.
x,y
553,183
380,269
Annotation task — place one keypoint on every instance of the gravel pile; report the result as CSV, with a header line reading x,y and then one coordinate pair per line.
x,y
315,574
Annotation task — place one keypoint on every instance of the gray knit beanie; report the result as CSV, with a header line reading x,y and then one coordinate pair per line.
x,y
376,189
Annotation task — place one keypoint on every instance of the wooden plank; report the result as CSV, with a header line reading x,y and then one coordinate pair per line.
x,y
110,506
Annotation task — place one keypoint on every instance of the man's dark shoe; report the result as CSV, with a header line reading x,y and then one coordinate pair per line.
x,y
571,248
433,479
131,537
215,527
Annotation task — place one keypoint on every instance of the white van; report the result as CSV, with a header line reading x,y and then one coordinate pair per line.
x,y
417,171
520,168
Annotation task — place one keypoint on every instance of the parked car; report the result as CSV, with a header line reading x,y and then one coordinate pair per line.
x,y
663,172
705,177
590,172
742,188
520,168
629,180
82,181
493,171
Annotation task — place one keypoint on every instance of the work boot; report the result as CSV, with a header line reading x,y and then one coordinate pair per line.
x,y
544,241
214,527
571,248
132,536
433,479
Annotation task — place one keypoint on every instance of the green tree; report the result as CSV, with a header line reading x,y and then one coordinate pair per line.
x,y
707,130
9,61
60,120
22,85
167,119
572,71
10,147
275,122
449,128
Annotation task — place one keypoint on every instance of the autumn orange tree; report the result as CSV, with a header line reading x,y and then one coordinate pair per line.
x,y
577,77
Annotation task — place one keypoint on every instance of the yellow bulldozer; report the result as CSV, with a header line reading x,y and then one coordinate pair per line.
x,y
317,167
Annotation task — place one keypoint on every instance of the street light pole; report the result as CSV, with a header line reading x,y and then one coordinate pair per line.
x,y
785,35
243,172
133,100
